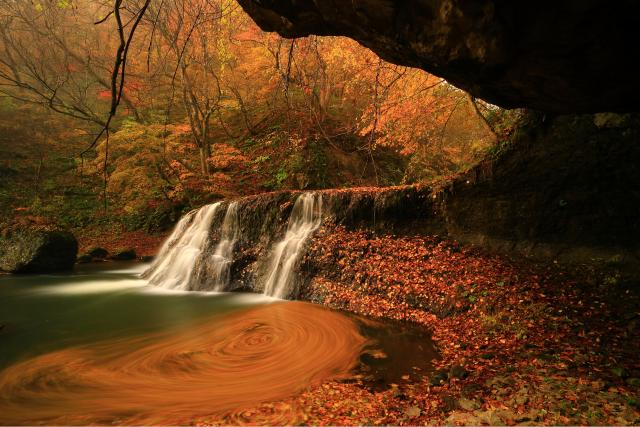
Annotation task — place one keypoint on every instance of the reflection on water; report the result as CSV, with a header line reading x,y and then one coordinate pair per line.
x,y
264,353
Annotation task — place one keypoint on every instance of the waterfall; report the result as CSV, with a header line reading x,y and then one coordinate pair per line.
x,y
191,260
305,218
176,262
222,258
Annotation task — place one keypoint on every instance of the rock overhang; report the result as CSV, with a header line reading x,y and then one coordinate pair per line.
x,y
573,56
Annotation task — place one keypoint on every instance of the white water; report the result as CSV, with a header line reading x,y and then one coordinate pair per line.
x,y
189,262
177,259
305,218
223,256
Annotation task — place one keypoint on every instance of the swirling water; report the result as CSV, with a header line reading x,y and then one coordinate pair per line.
x,y
101,347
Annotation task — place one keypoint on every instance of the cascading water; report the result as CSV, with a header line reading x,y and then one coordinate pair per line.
x,y
305,218
189,260
223,256
177,259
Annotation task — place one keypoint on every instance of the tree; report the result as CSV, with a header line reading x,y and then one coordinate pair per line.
x,y
191,29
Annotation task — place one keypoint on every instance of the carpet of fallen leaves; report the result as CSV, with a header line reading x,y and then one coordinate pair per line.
x,y
519,343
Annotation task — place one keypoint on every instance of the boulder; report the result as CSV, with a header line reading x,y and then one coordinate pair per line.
x,y
124,255
37,251
98,252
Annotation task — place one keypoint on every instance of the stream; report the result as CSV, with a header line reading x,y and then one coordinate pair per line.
x,y
100,346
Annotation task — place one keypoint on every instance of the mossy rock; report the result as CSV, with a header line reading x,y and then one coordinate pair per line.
x,y
37,251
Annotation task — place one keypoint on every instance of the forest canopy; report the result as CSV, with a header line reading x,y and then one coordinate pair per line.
x,y
208,106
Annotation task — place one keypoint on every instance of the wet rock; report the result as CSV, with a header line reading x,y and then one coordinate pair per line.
x,y
124,255
98,252
37,251
241,288
538,56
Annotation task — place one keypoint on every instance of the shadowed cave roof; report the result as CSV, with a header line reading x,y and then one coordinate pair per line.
x,y
572,56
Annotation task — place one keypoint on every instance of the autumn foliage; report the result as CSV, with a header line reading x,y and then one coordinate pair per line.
x,y
213,107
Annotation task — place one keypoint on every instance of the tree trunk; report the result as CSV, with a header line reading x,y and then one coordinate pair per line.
x,y
204,165
481,116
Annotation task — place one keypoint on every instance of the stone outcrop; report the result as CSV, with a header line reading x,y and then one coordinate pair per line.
x,y
566,57
37,251
566,188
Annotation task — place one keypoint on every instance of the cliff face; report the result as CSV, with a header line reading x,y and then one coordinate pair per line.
x,y
565,57
567,188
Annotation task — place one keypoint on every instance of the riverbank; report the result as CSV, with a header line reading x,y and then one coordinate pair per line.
x,y
520,343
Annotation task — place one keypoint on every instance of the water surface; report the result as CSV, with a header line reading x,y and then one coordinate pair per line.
x,y
100,347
